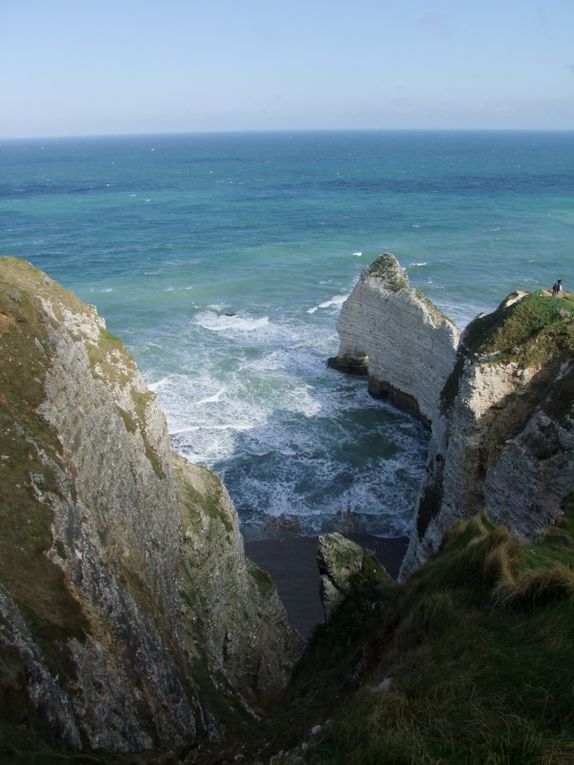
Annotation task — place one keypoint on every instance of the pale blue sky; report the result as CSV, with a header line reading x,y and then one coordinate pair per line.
x,y
77,67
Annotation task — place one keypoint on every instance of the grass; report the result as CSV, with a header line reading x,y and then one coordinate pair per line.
x,y
517,325
478,644
533,331
387,267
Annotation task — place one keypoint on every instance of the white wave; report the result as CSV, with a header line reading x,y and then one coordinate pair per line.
x,y
271,362
108,289
415,225
235,323
237,426
358,254
159,384
335,301
211,399
418,265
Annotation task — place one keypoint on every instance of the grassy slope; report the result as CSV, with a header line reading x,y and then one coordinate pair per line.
x,y
530,332
479,645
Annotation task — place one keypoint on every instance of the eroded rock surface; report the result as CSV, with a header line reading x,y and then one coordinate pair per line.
x,y
499,403
129,616
392,332
504,437
338,559
346,569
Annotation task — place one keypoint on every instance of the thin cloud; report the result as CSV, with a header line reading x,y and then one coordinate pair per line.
x,y
435,21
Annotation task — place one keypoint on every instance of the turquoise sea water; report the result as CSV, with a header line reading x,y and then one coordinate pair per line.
x,y
222,262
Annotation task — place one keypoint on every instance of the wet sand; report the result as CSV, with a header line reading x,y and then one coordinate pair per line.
x,y
292,564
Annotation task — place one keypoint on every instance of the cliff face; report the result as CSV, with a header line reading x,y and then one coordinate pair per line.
x,y
500,404
129,616
504,437
398,337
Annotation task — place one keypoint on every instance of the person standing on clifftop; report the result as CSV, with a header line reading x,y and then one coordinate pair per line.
x,y
557,288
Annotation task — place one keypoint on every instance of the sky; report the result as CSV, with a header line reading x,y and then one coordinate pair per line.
x,y
97,67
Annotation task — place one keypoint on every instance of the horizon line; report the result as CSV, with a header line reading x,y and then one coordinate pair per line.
x,y
266,131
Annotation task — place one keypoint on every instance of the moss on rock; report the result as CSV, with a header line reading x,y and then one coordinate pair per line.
x,y
387,268
30,460
528,330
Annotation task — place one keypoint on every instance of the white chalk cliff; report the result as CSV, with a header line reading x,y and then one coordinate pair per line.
x,y
504,439
398,337
500,405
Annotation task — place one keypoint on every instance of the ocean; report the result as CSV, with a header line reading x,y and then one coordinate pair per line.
x,y
222,262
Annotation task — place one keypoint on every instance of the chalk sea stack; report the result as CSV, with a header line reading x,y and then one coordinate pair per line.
x,y
498,400
397,337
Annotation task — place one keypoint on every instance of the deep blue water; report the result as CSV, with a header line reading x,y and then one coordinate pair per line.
x,y
222,262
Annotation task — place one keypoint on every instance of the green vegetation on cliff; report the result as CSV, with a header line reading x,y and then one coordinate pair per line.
x,y
528,330
533,327
388,268
30,463
476,651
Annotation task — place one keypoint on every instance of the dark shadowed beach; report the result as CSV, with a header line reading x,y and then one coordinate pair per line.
x,y
292,563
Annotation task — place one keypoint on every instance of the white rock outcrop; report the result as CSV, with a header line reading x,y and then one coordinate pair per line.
x,y
504,439
396,336
498,399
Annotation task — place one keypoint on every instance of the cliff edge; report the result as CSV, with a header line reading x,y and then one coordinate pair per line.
x,y
503,440
129,615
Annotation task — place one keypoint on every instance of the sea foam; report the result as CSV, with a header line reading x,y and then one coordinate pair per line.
x,y
226,323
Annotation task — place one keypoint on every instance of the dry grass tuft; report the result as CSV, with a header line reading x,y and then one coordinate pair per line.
x,y
498,563
536,586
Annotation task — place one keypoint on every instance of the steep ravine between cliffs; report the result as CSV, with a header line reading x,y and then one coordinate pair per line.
x,y
131,621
